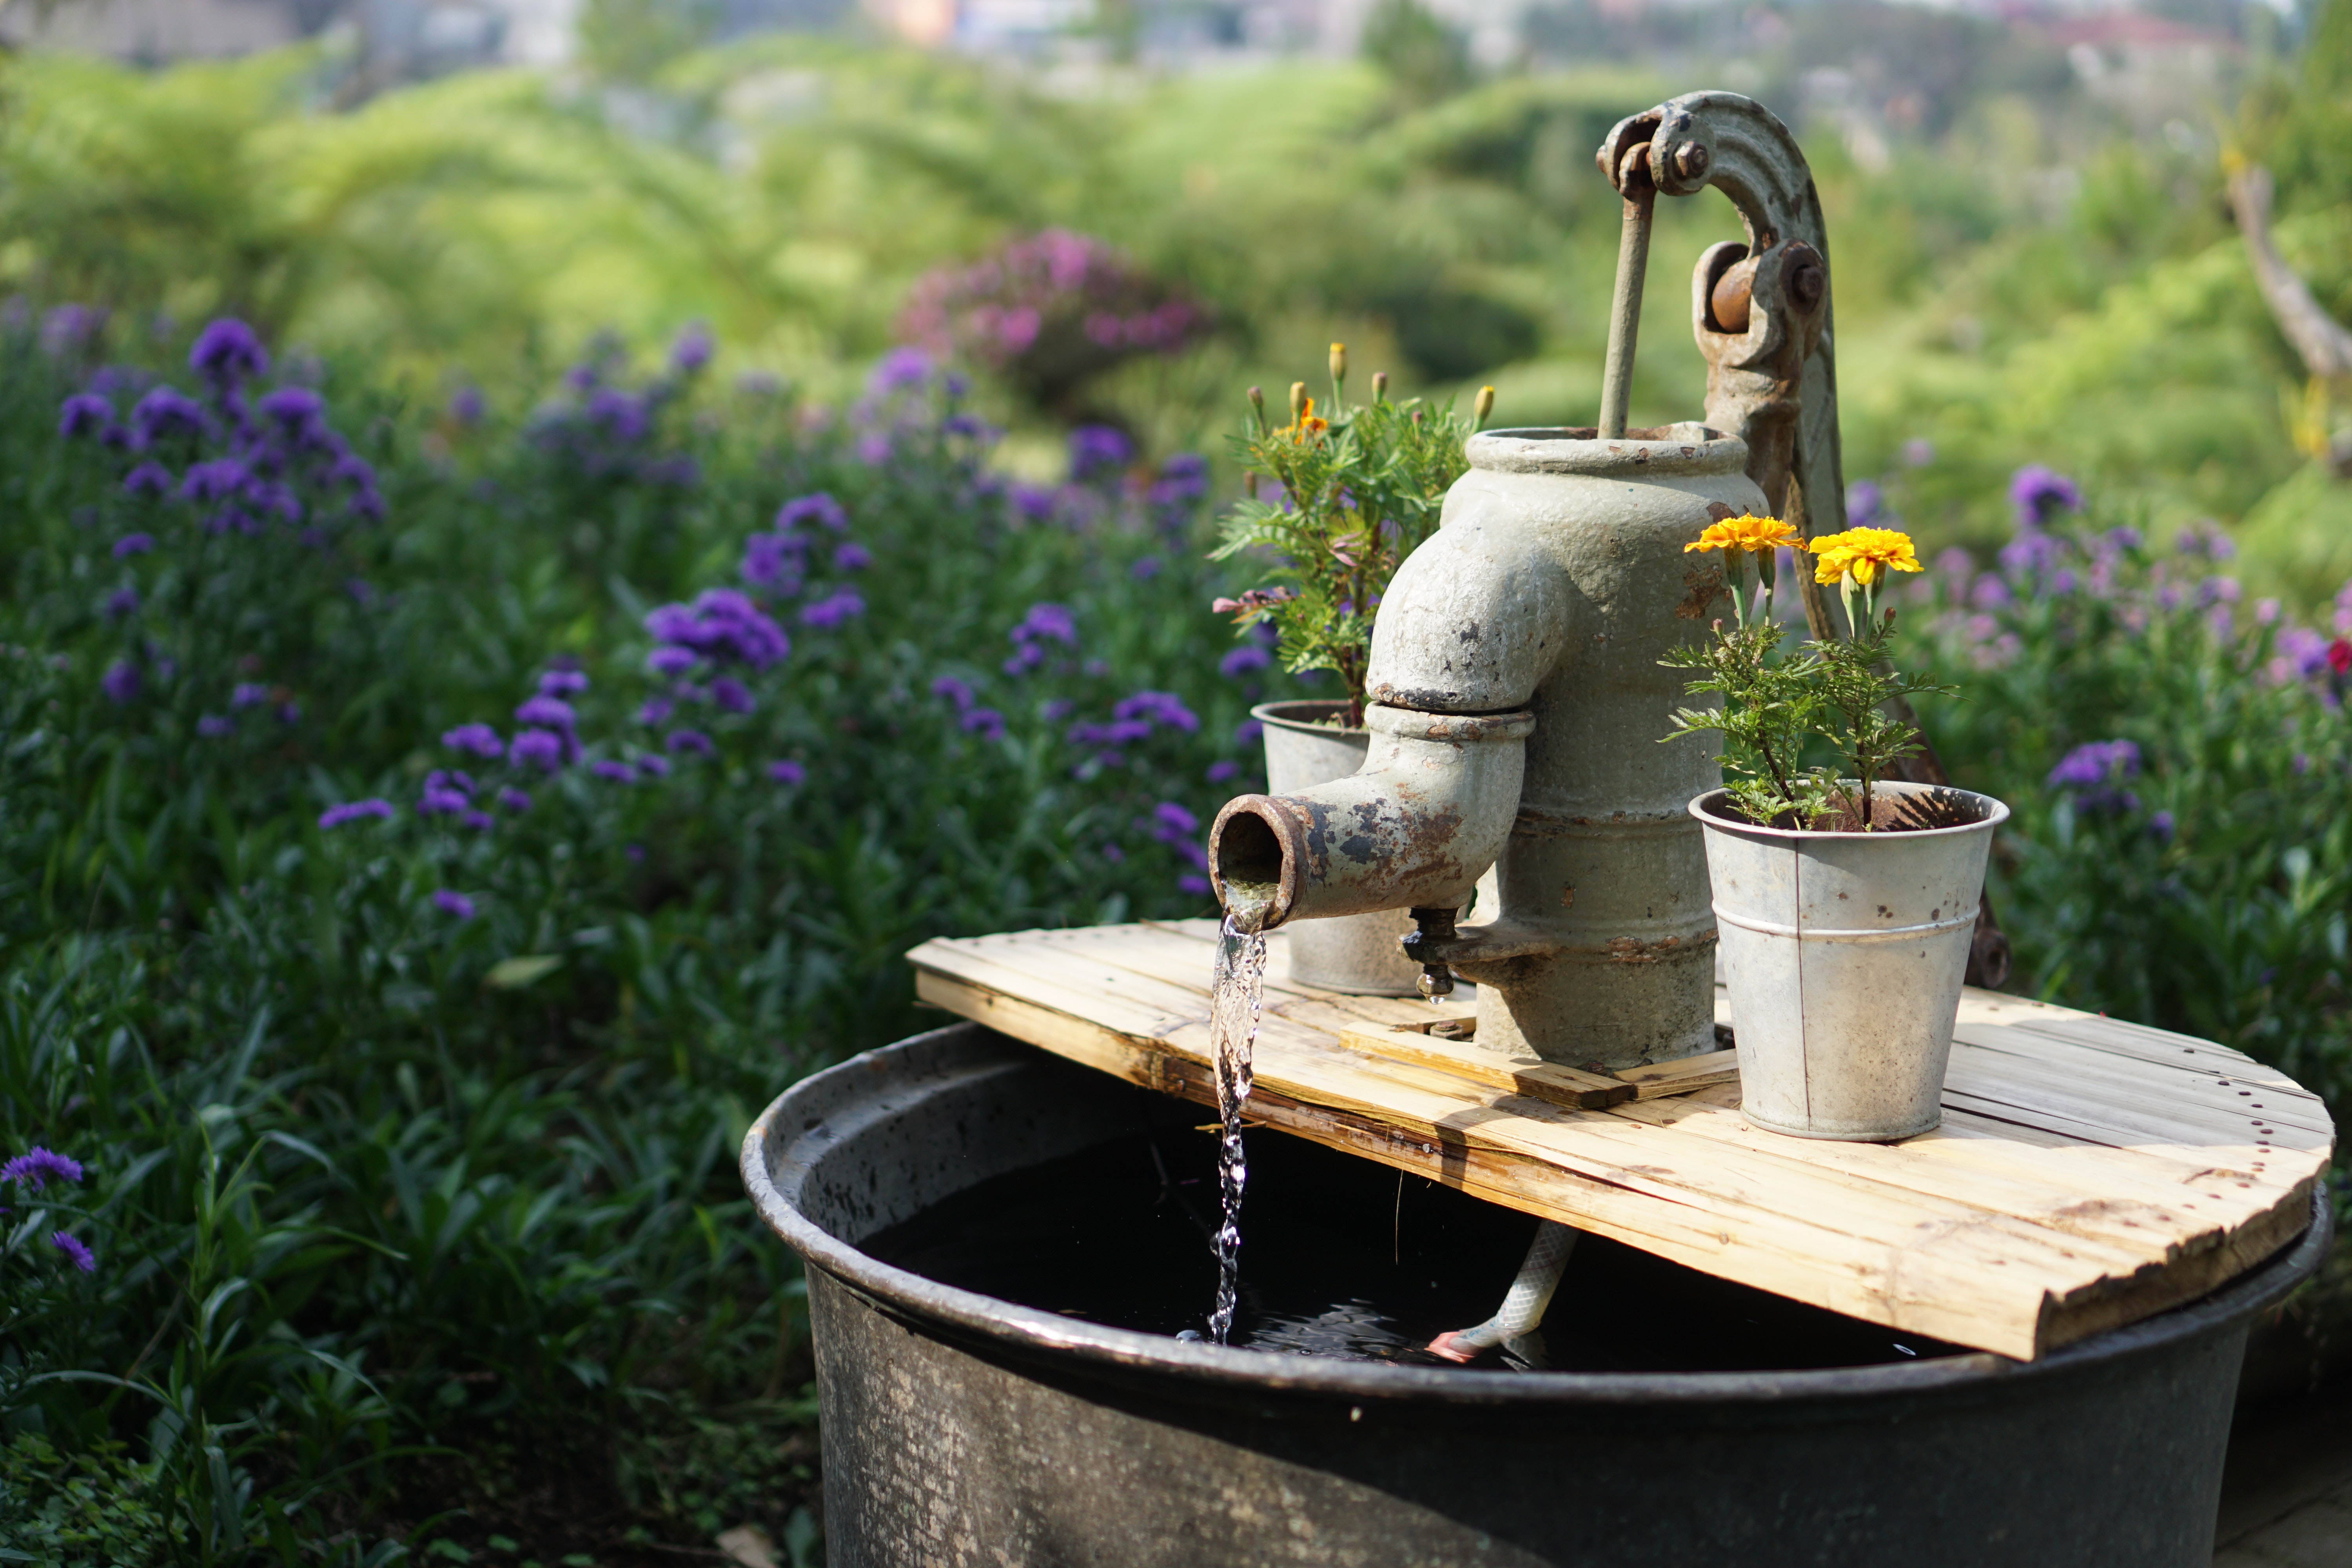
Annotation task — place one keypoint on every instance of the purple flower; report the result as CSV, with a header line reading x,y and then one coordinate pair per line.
x,y
441,800
467,407
83,414
721,625
1194,884
787,773
164,411
33,1167
852,556
213,726
2094,771
1243,659
562,682
619,773
985,723
74,1250
774,561
120,682
478,739
653,767
226,352
954,690
1042,621
121,602
2095,763
672,661
149,479
1031,503
289,713
841,605
1156,707
1170,823
1222,769
541,749
451,902
693,741
1918,452
900,369
292,407
623,415
252,694
692,349
1097,448
513,799
221,480
819,508
2032,553
2160,827
551,712
1865,504
2039,495
731,696
353,811
1113,853
655,710
131,544
1247,732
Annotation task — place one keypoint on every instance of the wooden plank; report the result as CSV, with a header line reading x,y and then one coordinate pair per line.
x,y
1686,1076
2082,1177
1527,1075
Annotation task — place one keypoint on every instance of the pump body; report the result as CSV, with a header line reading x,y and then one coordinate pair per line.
x,y
1543,607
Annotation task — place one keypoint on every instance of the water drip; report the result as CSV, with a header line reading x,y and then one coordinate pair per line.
x,y
1235,996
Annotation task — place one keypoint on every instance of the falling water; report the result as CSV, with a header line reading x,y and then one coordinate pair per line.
x,y
1233,1001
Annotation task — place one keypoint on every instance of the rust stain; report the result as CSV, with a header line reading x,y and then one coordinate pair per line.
x,y
1706,585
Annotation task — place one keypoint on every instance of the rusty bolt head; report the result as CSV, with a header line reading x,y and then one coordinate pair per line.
x,y
1807,283
1691,160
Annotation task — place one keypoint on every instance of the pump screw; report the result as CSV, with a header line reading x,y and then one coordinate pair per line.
x,y
1691,160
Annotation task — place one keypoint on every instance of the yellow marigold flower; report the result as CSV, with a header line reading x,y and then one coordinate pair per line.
x,y
1864,553
1307,425
1758,535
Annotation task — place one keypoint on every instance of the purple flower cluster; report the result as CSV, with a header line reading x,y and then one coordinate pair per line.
x,y
354,810
603,430
721,625
2094,772
1048,311
1045,623
37,1167
1096,450
1132,719
2039,495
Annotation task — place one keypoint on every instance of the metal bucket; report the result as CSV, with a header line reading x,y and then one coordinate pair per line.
x,y
960,1429
1844,953
1357,955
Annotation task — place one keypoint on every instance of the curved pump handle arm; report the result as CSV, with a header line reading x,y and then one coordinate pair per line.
x,y
1762,311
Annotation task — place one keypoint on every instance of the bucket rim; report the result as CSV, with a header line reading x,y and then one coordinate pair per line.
x,y
965,1051
1702,807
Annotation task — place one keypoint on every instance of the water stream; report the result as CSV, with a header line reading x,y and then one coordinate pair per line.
x,y
1236,995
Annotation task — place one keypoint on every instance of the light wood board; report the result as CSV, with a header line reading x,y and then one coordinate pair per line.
x,y
2088,1171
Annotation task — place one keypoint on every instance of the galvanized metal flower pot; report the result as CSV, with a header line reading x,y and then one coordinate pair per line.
x,y
1360,955
1844,953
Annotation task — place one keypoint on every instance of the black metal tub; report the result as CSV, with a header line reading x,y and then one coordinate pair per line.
x,y
960,1429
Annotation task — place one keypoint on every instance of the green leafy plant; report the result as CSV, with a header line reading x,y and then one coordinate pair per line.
x,y
1355,493
1843,690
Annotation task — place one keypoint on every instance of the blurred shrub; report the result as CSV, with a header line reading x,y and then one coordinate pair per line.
x,y
2176,760
426,838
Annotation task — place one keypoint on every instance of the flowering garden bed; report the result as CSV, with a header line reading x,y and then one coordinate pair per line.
x,y
427,833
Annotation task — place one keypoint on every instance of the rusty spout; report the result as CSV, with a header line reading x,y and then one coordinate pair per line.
x,y
1427,813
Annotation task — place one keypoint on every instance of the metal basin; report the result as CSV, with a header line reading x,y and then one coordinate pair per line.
x,y
960,1429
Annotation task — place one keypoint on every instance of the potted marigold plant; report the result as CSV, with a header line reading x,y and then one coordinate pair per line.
x,y
1844,900
1337,497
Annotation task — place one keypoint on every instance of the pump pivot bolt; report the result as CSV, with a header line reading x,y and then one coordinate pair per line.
x,y
1691,160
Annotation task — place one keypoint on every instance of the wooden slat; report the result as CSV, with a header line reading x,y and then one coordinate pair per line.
x,y
1687,1076
2083,1176
1529,1075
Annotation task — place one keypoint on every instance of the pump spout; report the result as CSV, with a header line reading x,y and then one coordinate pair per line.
x,y
1429,811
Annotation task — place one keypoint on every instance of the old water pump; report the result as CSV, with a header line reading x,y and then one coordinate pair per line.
x,y
1518,692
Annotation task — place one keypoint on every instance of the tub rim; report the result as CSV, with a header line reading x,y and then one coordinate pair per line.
x,y
1034,1333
